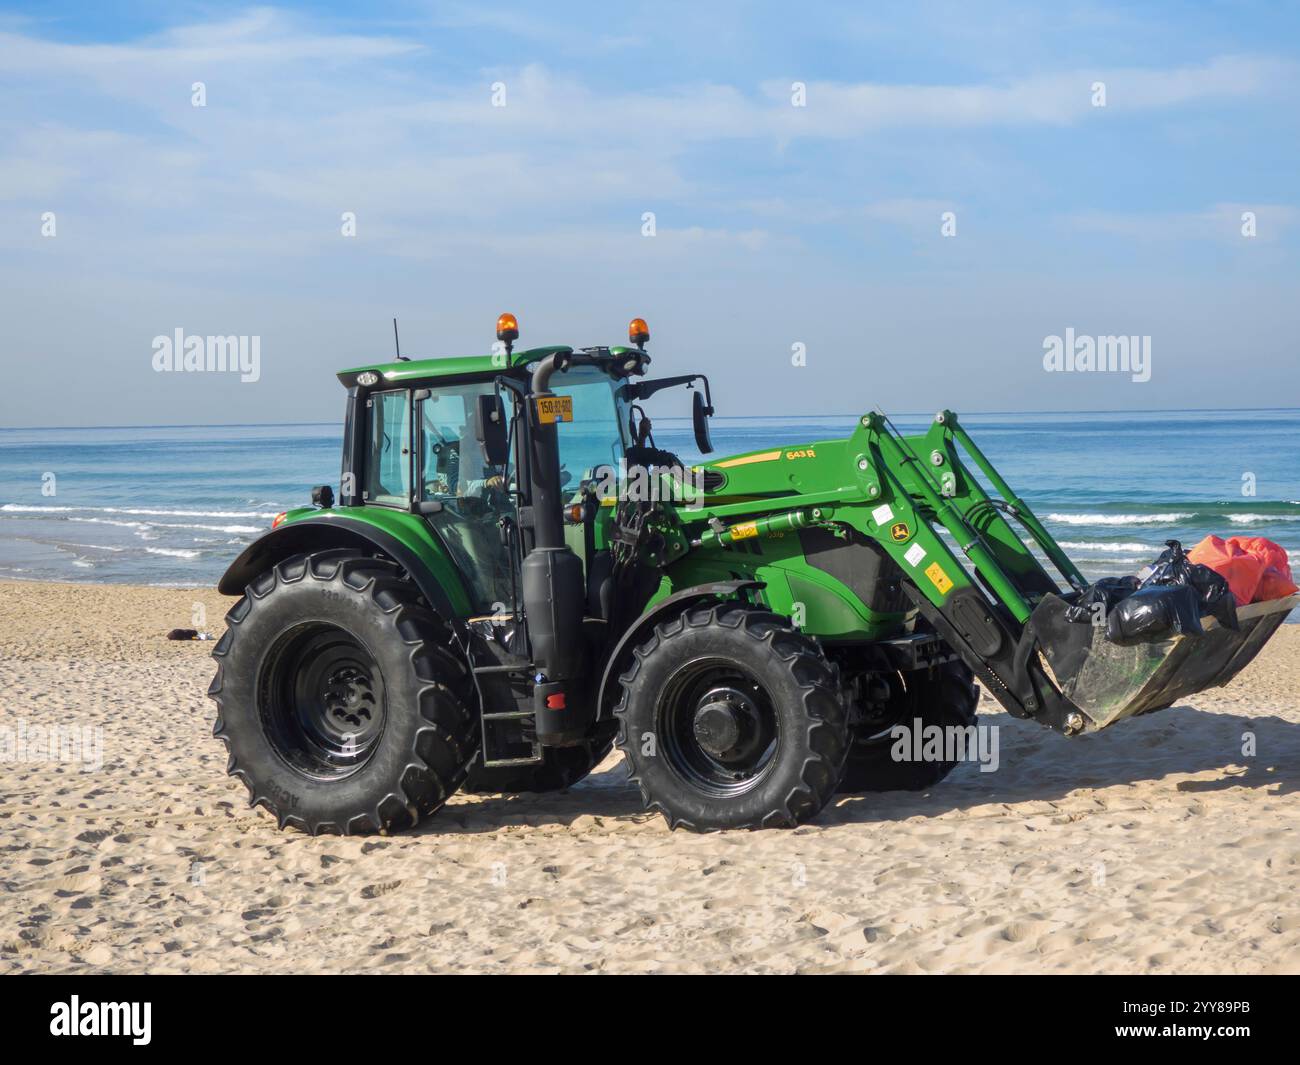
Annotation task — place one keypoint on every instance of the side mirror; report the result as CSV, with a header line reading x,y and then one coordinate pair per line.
x,y
490,430
700,420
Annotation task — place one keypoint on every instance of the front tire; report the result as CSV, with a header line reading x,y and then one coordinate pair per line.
x,y
730,718
340,704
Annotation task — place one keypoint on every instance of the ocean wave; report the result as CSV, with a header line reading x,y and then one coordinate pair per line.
x,y
24,508
246,530
147,525
142,529
1090,545
111,521
1250,519
232,529
1121,519
173,552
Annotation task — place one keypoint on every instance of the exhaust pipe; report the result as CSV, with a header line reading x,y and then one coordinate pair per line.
x,y
554,591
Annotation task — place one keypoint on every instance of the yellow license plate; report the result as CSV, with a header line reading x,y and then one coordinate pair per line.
x,y
552,409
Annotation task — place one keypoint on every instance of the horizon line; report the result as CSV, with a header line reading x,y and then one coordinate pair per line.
x,y
716,417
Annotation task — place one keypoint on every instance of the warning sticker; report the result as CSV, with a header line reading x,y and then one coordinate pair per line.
x,y
883,514
935,572
552,409
744,530
914,555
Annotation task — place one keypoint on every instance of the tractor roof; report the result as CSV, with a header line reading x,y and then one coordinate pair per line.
x,y
405,372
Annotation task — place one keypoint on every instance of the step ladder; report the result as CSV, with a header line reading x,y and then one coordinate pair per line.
x,y
493,757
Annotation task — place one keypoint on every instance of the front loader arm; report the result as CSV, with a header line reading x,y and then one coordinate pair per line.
x,y
942,443
997,607
906,503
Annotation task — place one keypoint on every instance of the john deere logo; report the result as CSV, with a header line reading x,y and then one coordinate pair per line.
x,y
899,531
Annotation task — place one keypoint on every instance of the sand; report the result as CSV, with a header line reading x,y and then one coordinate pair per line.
x,y
1155,847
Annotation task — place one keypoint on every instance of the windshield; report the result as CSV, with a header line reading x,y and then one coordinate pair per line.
x,y
594,437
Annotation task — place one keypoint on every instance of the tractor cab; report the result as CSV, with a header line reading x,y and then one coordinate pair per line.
x,y
450,449
456,442
452,440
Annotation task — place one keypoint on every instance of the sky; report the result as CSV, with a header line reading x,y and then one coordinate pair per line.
x,y
825,207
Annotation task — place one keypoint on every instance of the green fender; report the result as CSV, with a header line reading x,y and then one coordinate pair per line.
x,y
403,537
673,604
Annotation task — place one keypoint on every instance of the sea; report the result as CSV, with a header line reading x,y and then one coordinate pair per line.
x,y
173,505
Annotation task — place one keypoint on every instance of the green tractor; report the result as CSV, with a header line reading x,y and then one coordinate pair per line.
x,y
514,578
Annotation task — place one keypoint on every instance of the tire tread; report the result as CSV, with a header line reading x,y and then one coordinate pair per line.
x,y
435,771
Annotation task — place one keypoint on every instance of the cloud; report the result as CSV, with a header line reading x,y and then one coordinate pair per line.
x,y
849,110
260,36
297,119
226,218
1220,222
33,179
541,29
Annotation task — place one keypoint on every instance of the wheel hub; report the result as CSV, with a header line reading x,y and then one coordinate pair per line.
x,y
349,698
323,701
726,724
719,726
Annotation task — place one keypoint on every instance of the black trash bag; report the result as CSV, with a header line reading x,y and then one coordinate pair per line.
x,y
1215,596
1155,612
1212,592
1107,591
1170,566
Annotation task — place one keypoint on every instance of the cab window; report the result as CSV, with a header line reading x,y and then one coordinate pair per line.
x,y
388,454
451,458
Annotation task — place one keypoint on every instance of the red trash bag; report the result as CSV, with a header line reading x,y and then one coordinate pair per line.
x,y
1241,569
1275,581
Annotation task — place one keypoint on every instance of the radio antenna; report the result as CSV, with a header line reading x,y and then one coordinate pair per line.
x,y
397,344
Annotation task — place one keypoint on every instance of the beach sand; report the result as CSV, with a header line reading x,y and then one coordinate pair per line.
x,y
1157,846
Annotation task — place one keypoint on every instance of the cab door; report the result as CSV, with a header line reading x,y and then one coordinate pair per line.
x,y
472,497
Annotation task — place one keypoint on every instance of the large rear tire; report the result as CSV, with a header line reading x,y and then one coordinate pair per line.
x,y
945,696
340,704
730,718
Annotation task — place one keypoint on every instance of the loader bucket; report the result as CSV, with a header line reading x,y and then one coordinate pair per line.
x,y
1108,682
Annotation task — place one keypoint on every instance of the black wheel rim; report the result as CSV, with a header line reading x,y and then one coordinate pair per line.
x,y
718,727
323,705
